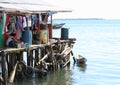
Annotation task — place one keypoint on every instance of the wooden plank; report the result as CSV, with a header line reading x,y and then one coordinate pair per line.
x,y
42,59
66,51
66,62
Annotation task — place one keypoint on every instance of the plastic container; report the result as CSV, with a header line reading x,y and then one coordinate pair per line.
x,y
64,33
43,36
27,37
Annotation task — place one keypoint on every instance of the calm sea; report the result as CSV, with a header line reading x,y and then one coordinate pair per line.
x,y
99,42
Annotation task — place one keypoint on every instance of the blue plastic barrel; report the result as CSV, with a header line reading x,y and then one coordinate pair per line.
x,y
27,37
64,33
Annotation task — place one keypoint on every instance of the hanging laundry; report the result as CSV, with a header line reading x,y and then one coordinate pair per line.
x,y
44,17
2,21
11,25
11,41
2,25
34,19
24,22
8,19
29,20
17,22
21,21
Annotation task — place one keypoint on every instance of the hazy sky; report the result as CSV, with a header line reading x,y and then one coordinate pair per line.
x,y
108,9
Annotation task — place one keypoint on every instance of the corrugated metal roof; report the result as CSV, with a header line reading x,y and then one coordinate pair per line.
x,y
28,6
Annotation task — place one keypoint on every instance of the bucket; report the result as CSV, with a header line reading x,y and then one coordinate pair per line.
x,y
64,33
43,36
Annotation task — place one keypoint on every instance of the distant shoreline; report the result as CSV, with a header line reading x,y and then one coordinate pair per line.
x,y
83,19
79,19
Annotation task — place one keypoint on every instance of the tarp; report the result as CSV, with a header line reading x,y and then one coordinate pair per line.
x,y
30,6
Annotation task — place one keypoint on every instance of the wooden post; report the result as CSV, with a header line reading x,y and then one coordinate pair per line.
x,y
4,70
39,53
39,21
50,27
73,57
36,56
8,63
55,65
31,58
28,57
13,57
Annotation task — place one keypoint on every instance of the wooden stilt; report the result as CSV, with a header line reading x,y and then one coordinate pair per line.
x,y
28,58
73,57
36,56
8,63
44,57
31,57
4,70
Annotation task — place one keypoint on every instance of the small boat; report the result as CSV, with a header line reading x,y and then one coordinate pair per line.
x,y
81,60
58,26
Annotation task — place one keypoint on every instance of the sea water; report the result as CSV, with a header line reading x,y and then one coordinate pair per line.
x,y
98,40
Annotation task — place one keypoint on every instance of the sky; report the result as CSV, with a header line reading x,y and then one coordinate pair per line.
x,y
107,9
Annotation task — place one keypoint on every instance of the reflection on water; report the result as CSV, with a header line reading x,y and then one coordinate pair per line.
x,y
58,77
82,67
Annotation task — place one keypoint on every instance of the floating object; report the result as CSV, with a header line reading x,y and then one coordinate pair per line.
x,y
81,60
58,26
